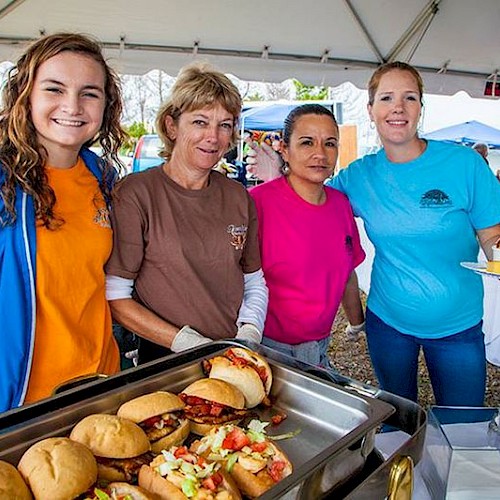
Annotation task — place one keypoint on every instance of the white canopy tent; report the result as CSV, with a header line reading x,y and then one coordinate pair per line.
x,y
455,43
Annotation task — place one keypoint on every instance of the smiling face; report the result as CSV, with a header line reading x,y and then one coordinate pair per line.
x,y
396,109
201,138
67,105
312,150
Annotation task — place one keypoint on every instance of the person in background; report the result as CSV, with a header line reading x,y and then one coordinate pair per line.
x,y
309,241
482,149
185,267
426,206
55,234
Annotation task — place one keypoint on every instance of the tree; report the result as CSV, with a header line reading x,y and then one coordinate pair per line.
x,y
309,92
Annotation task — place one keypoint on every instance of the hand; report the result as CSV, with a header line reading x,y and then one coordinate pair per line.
x,y
353,332
250,332
263,161
187,338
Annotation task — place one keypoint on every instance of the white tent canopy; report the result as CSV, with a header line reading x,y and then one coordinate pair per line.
x,y
455,43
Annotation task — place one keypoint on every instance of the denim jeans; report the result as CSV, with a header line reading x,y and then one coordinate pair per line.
x,y
314,352
456,364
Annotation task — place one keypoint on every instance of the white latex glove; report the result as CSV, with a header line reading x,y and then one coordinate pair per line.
x,y
250,332
263,161
187,338
354,331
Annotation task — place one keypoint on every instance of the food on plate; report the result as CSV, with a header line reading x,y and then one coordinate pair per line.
x,y
119,491
12,485
160,416
245,369
494,264
58,468
120,446
178,474
211,402
251,458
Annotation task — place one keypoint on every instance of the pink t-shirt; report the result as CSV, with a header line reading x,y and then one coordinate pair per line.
x,y
308,253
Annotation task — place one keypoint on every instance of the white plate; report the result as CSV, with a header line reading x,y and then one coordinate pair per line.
x,y
479,268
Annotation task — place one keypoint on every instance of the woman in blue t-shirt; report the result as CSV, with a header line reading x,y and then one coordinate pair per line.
x,y
426,205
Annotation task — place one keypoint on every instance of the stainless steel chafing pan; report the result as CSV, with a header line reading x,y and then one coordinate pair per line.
x,y
332,455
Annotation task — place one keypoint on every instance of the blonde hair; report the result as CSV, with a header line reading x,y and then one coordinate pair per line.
x,y
386,68
22,158
197,86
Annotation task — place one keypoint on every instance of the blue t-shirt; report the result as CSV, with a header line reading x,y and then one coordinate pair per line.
x,y
421,217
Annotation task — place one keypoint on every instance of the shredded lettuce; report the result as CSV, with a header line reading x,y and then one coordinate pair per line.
x,y
231,460
101,495
288,435
189,487
258,426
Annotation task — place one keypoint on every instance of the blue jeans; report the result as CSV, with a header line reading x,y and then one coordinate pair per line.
x,y
314,352
456,364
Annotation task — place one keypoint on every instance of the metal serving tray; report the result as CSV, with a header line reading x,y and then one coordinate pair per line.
x,y
337,425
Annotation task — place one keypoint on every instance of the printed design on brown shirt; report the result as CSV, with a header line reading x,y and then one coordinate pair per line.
x,y
238,236
101,218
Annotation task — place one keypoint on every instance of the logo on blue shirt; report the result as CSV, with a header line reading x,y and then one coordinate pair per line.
x,y
435,198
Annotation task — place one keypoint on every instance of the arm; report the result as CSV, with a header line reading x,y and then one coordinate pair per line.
x,y
253,310
487,238
145,323
351,303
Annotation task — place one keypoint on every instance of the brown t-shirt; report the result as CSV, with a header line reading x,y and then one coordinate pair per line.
x,y
187,250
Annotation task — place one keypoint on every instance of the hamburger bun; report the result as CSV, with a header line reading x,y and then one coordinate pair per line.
x,y
251,373
12,485
157,404
218,391
110,436
58,468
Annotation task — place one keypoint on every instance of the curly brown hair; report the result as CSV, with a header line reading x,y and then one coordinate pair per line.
x,y
22,157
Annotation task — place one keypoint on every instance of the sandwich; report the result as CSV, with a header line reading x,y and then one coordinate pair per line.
x,y
250,457
58,468
160,415
245,369
12,485
119,491
120,446
211,402
178,474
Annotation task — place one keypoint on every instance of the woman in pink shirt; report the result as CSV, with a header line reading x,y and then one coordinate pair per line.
x,y
309,241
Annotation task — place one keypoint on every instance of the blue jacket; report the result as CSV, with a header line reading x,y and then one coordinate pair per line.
x,y
17,292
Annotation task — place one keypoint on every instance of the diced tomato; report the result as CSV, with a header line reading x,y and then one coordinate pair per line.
x,y
179,452
217,478
258,447
235,440
209,484
278,418
216,409
276,470
201,461
149,422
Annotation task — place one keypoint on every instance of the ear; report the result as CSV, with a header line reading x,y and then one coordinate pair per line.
x,y
171,127
370,114
284,151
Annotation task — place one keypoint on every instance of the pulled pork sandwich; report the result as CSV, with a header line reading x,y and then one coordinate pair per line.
x,y
120,446
211,402
245,369
254,461
160,415
12,485
58,468
178,474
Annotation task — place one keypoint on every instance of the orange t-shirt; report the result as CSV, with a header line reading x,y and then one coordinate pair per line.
x,y
73,320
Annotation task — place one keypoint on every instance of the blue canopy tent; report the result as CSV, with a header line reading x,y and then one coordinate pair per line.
x,y
467,133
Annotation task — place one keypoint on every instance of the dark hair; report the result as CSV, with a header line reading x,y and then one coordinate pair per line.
x,y
386,68
305,109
